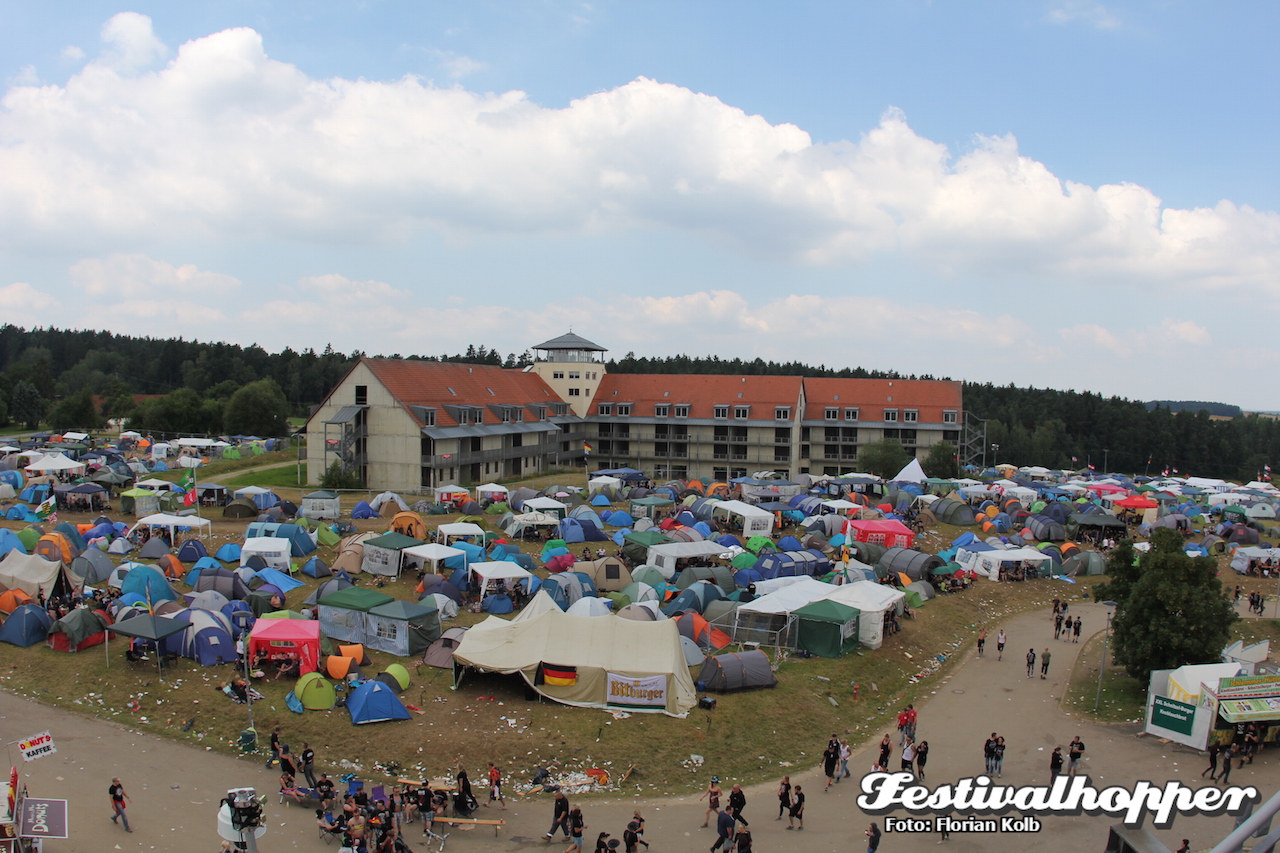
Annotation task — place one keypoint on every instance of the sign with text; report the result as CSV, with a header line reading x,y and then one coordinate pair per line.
x,y
649,691
1248,686
1173,715
43,818
37,746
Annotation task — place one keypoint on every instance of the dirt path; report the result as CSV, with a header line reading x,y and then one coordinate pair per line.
x,y
176,789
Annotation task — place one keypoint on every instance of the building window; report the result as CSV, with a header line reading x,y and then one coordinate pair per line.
x,y
720,412
574,374
662,411
604,409
831,413
624,410
742,412
682,411
890,415
950,417
910,415
782,413
575,392
850,414
362,395
557,374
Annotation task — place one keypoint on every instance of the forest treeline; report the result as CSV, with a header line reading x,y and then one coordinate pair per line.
x,y
66,378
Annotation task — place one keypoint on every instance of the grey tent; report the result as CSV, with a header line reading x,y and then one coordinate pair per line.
x,y
910,562
1084,563
93,565
224,581
401,627
240,508
154,548
440,653
866,552
331,585
1045,529
924,589
951,511
721,576
736,671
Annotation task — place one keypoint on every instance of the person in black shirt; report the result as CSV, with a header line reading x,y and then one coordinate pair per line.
x,y
560,817
324,790
307,759
1055,763
738,802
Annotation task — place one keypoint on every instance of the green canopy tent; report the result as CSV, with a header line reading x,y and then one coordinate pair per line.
x,y
827,628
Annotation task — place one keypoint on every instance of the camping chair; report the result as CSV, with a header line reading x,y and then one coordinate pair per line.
x,y
378,793
353,785
328,836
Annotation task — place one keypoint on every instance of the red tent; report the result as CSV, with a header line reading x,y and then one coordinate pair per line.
x,y
281,638
887,532
1137,502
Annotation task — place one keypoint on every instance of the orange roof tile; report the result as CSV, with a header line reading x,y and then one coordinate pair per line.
x,y
438,384
701,392
928,396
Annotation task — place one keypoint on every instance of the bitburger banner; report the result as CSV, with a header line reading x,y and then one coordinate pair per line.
x,y
649,691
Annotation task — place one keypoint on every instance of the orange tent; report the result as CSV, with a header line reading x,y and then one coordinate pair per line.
x,y
338,666
409,523
171,566
54,546
12,599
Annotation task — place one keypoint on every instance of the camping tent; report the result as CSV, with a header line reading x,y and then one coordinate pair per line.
x,y
273,551
36,575
321,505
281,637
440,653
315,692
737,671
342,613
401,627
826,628
78,630
587,662
375,702
872,600
490,573
382,555
26,626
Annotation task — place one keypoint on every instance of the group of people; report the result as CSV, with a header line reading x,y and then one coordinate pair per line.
x,y
729,834
570,821
1063,626
1257,601
1075,754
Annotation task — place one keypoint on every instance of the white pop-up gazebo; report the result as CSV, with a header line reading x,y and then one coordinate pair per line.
x,y
490,572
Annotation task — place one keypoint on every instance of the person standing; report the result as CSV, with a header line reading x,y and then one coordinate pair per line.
x,y
830,763
902,727
1055,764
784,796
1057,626
1075,752
118,797
713,794
1226,755
495,786
275,748
1000,641
873,838
631,839
308,760
1044,663
1031,662
989,754
797,809
912,716
982,640
886,749
559,817
922,758
738,802
1186,846
909,757
998,751
724,829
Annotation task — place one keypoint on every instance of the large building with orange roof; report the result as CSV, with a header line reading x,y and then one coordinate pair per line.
x,y
413,425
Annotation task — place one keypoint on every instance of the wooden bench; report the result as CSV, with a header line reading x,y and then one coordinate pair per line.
x,y
496,823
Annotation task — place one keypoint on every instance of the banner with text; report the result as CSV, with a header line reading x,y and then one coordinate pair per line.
x,y
649,691
37,746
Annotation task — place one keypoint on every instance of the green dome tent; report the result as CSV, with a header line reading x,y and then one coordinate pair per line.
x,y
315,692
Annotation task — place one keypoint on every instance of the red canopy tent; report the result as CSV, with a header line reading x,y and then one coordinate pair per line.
x,y
887,532
281,638
1137,502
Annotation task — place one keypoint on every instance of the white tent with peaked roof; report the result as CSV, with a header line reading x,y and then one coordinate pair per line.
x,y
911,473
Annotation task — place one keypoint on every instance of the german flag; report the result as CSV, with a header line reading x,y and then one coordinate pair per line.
x,y
561,676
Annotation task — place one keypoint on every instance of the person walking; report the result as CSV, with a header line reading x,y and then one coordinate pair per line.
x,y
1212,769
713,794
560,815
1226,755
830,763
784,796
742,841
307,758
1075,752
577,827
738,802
909,757
912,716
922,758
631,839
886,749
989,754
118,798
724,829
1075,630
1000,640
1057,626
982,640
846,752
1055,764
797,809
495,787
1031,662
873,838
1044,663
998,750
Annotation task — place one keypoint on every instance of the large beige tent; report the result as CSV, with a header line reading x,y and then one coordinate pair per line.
x,y
35,575
590,663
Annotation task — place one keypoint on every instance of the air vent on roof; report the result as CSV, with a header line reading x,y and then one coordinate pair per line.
x,y
835,396
744,380
666,393
451,391
490,390
615,393
470,370
740,394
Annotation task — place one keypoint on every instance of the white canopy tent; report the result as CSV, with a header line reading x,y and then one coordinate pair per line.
x,y
755,521
274,551
450,493
490,572
599,484
56,463
873,600
664,557
492,491
74,436
420,556
460,530
550,506
176,523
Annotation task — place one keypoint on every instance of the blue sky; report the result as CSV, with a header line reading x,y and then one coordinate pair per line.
x,y
1064,193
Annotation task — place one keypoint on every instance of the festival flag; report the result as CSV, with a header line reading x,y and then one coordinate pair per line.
x,y
188,479
1091,468
1074,459
586,448
1266,468
46,507
1175,470
189,499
